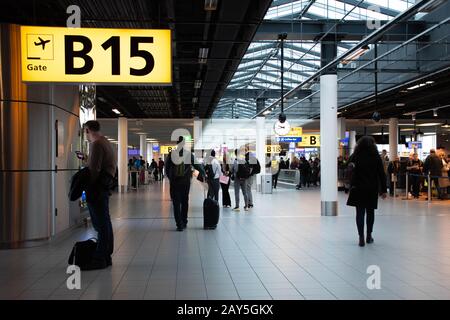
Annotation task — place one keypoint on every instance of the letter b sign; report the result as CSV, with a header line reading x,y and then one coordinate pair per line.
x,y
113,43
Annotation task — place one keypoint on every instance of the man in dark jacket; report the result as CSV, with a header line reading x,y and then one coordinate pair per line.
x,y
393,171
102,168
414,168
160,169
178,168
433,166
255,168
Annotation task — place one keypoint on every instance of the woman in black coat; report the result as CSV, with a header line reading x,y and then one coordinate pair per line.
x,y
367,182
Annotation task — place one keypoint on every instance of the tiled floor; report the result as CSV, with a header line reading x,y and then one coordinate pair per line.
x,y
281,249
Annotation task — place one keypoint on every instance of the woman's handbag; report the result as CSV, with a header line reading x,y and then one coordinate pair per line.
x,y
224,179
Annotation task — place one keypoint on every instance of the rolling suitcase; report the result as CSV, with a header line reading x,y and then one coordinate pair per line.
x,y
210,213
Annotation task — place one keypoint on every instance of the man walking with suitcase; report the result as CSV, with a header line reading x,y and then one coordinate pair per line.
x,y
178,168
102,168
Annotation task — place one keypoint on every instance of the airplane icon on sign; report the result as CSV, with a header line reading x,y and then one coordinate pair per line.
x,y
42,43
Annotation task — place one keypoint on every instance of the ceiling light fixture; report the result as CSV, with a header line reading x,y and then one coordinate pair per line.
x,y
419,85
197,84
211,5
428,124
435,113
400,104
116,111
445,125
203,55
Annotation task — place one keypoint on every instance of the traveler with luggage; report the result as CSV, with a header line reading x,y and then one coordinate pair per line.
x,y
102,167
179,166
367,182
239,175
254,168
154,168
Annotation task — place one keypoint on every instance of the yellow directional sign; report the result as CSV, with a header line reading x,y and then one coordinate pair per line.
x,y
295,132
273,148
167,149
309,140
88,55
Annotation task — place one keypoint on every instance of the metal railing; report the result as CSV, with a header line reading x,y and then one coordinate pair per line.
x,y
428,178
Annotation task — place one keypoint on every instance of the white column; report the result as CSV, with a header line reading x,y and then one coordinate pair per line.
x,y
393,138
328,144
198,135
352,141
260,148
149,152
143,146
122,153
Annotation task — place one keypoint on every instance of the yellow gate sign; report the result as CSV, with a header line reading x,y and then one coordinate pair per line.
x,y
167,149
309,140
91,55
295,132
273,148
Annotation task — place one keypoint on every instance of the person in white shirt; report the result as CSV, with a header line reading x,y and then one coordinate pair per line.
x,y
214,172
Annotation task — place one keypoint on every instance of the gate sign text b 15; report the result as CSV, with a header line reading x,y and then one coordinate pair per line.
x,y
88,55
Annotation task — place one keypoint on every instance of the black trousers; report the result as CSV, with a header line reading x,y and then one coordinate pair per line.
x,y
101,221
275,179
134,179
415,184
391,188
179,193
438,188
213,189
226,199
360,213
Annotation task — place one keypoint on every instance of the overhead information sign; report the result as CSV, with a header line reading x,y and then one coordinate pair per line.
x,y
309,140
91,55
166,149
273,148
289,139
295,132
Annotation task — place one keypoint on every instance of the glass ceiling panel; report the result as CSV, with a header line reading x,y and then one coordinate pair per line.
x,y
260,66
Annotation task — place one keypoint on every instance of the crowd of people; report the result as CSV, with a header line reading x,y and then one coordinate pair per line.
x,y
138,168
436,164
366,170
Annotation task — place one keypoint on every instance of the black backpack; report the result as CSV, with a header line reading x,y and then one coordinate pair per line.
x,y
244,171
209,171
82,253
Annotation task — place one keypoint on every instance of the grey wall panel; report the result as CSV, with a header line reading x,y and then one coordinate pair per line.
x,y
27,150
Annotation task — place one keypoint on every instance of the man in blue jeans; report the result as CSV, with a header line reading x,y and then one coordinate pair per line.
x,y
102,167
